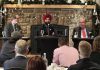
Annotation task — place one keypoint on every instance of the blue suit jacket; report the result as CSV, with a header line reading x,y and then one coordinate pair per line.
x,y
48,29
17,62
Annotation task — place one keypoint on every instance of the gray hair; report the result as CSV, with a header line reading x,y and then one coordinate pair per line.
x,y
21,46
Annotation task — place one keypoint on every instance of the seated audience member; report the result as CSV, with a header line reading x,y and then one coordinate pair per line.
x,y
65,55
36,63
7,51
84,63
11,27
82,31
95,55
20,60
47,29
29,43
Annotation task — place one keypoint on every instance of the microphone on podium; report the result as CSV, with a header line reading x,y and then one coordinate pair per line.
x,y
48,30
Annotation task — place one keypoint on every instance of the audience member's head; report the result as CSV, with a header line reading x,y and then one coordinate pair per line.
x,y
29,44
63,41
82,22
36,63
85,49
47,18
96,44
21,47
16,35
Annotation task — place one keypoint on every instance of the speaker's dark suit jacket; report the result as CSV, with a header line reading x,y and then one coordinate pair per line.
x,y
8,29
48,29
77,30
84,64
17,62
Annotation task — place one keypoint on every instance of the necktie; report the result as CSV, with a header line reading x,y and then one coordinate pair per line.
x,y
48,29
15,28
84,33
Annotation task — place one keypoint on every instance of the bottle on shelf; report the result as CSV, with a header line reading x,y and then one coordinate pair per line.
x,y
43,2
19,1
69,1
45,59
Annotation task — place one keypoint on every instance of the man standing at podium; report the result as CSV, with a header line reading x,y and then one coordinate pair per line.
x,y
11,27
82,31
47,29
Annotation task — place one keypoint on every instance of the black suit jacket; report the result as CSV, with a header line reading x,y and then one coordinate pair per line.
x,y
83,64
48,29
78,31
95,57
8,29
17,62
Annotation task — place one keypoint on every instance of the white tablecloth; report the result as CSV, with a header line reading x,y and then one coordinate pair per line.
x,y
1,68
54,66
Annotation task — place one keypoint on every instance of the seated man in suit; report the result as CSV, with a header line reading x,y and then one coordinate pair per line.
x,y
84,63
20,60
47,29
7,51
11,27
82,31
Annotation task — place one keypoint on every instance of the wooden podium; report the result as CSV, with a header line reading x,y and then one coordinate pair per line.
x,y
46,44
77,40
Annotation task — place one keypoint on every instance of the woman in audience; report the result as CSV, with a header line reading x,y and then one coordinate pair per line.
x,y
36,63
95,55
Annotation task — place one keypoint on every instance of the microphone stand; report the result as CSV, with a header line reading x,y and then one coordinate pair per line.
x,y
48,29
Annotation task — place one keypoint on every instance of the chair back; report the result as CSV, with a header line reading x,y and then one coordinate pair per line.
x,y
92,68
16,69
